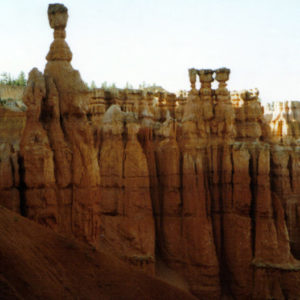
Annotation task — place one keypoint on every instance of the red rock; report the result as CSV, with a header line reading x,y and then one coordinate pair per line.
x,y
209,189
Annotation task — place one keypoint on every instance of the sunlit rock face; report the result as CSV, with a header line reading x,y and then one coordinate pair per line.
x,y
74,183
204,183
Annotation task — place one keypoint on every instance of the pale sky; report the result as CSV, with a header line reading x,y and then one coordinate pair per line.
x,y
156,41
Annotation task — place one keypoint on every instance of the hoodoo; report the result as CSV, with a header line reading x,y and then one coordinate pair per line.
x,y
206,184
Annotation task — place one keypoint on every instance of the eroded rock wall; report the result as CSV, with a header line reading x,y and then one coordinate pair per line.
x,y
12,123
204,183
94,189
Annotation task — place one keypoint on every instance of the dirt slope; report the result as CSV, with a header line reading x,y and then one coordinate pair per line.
x,y
36,263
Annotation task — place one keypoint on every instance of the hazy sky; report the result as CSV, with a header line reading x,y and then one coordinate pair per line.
x,y
156,41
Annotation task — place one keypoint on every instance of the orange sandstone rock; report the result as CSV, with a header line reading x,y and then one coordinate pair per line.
x,y
203,183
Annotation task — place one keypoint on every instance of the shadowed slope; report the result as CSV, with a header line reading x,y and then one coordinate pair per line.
x,y
36,263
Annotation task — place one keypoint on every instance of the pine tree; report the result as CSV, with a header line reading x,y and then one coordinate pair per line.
x,y
104,85
21,80
4,78
93,85
128,86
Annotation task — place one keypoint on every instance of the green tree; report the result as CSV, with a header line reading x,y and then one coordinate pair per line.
x,y
4,78
21,80
104,85
93,85
128,85
9,79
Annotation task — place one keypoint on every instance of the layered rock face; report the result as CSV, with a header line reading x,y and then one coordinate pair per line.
x,y
60,161
205,183
12,123
284,136
11,92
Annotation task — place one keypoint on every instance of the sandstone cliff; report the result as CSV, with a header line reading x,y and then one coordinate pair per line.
x,y
205,184
12,123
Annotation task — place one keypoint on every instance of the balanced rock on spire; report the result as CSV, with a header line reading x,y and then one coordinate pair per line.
x,y
58,18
